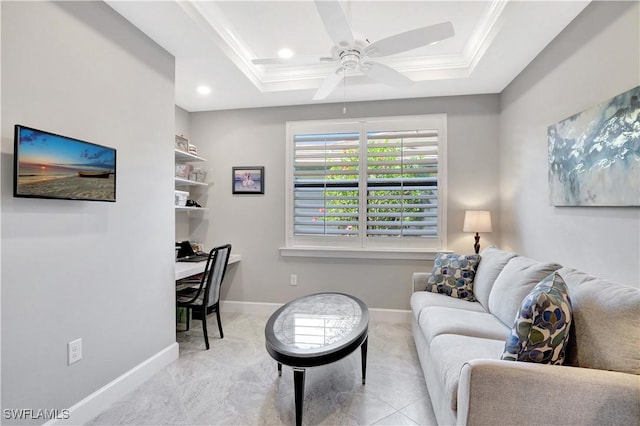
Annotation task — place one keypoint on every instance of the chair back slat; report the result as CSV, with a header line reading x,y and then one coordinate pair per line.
x,y
214,273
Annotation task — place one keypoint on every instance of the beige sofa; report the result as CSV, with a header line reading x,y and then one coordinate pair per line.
x,y
459,344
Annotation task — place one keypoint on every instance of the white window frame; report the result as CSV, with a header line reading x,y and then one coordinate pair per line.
x,y
362,246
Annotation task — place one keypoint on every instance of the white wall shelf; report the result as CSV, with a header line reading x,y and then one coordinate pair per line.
x,y
185,157
190,209
186,182
181,182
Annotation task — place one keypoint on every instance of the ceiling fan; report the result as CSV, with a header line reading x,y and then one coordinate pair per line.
x,y
351,54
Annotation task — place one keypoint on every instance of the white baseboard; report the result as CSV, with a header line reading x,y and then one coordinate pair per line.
x,y
258,308
94,404
390,315
252,308
100,400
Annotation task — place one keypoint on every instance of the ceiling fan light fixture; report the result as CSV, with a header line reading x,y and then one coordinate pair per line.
x,y
350,59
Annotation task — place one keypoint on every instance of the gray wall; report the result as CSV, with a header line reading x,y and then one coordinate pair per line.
x,y
102,272
596,57
255,224
183,122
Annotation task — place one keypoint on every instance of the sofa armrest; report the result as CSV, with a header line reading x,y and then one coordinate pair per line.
x,y
420,280
506,392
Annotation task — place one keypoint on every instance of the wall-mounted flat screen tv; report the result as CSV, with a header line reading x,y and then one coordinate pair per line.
x,y
47,165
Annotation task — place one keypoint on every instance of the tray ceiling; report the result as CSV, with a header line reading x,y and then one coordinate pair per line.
x,y
214,42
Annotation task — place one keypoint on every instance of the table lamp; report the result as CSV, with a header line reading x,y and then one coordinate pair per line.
x,y
477,221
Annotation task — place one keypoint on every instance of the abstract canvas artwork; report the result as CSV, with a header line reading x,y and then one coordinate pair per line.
x,y
594,156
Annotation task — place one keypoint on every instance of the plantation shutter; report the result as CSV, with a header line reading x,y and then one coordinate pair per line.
x,y
326,199
402,184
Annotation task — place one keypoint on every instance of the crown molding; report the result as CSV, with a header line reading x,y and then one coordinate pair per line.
x,y
210,17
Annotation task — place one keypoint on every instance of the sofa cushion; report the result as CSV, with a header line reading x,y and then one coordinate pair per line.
x,y
437,320
493,260
541,328
423,299
606,323
449,352
453,275
516,280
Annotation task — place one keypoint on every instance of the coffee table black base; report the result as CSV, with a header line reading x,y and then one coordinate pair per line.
x,y
298,383
315,330
363,357
299,378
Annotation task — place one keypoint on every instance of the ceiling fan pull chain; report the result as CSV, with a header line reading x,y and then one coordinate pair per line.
x,y
344,92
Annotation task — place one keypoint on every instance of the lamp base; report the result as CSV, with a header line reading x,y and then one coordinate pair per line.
x,y
476,246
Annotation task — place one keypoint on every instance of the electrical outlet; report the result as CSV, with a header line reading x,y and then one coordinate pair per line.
x,y
293,280
74,351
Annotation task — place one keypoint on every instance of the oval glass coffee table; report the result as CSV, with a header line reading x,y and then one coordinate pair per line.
x,y
315,330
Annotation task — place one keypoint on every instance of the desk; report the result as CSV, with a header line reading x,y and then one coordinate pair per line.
x,y
187,269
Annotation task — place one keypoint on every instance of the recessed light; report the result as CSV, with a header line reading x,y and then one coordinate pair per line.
x,y
285,53
204,90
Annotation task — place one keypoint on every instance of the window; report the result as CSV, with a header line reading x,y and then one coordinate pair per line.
x,y
369,184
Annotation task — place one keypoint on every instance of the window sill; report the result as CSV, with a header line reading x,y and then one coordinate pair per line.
x,y
360,253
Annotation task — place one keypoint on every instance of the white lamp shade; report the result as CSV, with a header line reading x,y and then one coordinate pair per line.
x,y
477,221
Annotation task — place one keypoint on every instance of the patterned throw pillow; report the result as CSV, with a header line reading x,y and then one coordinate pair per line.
x,y
541,328
453,275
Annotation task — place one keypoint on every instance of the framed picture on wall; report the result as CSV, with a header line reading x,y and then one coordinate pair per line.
x,y
247,180
182,143
183,170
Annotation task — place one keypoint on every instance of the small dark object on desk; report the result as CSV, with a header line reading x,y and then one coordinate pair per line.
x,y
186,253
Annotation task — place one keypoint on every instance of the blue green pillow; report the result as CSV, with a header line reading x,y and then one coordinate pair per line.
x,y
541,330
453,275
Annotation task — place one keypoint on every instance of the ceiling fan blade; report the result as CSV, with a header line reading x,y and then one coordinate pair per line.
x,y
296,60
410,40
329,84
385,74
335,22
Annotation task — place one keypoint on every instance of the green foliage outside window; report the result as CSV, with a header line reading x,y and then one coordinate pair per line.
x,y
392,206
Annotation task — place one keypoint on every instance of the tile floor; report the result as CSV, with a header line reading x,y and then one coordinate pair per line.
x,y
236,383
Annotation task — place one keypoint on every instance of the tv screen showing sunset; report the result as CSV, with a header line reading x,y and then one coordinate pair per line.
x,y
53,166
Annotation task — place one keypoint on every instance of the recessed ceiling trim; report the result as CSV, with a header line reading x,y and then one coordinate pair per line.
x,y
483,58
289,73
220,31
265,79
430,63
484,33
